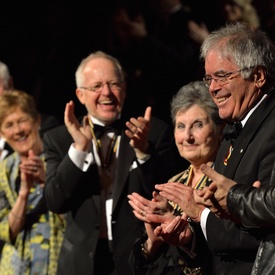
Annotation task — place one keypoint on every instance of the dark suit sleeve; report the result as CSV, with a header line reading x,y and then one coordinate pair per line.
x,y
66,185
254,207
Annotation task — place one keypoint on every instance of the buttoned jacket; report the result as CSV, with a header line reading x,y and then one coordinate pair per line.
x,y
76,194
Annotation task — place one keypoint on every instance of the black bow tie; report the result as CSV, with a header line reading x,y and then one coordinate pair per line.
x,y
116,127
233,131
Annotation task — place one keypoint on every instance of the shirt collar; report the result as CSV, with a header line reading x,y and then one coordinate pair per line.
x,y
98,122
252,110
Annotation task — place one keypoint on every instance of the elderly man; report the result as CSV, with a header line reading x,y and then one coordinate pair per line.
x,y
90,172
240,74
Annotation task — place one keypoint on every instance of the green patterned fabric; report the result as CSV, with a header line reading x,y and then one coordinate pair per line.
x,y
37,246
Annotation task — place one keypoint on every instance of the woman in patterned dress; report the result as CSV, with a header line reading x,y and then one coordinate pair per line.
x,y
30,233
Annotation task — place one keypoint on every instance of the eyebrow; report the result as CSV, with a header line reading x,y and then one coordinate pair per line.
x,y
200,119
218,72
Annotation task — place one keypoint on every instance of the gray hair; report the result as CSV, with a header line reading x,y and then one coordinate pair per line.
x,y
195,93
5,75
242,45
98,54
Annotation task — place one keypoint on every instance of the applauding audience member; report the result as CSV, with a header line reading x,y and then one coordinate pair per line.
x,y
31,234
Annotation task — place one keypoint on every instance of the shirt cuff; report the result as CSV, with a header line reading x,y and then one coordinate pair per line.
x,y
138,162
81,159
141,161
204,216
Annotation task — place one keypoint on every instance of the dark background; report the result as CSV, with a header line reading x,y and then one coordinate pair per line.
x,y
43,42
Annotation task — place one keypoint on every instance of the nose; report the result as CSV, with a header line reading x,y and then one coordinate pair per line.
x,y
17,128
188,134
214,88
106,89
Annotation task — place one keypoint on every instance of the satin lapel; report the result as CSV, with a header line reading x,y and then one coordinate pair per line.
x,y
249,131
125,159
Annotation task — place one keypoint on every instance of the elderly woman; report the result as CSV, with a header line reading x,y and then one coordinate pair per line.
x,y
168,245
31,234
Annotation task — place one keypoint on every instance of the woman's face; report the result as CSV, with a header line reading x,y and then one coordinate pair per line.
x,y
20,131
196,136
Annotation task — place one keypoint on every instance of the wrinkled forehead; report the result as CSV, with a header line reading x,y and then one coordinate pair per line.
x,y
99,67
217,61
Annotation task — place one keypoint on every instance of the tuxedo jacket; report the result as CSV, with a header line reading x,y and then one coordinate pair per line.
x,y
74,192
234,248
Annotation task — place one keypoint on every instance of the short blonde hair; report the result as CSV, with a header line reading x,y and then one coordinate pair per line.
x,y
12,99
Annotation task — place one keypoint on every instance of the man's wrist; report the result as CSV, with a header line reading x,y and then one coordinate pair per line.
x,y
142,157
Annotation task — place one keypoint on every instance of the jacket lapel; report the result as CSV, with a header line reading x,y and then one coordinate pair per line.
x,y
251,129
126,158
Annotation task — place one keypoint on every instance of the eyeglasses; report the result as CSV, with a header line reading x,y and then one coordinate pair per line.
x,y
222,79
97,88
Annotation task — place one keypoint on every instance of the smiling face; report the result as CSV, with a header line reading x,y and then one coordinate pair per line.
x,y
21,132
107,104
235,98
196,136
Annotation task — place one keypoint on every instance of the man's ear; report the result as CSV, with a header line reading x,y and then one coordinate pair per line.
x,y
259,74
80,95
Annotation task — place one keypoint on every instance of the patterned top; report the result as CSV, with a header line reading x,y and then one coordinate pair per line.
x,y
184,178
36,248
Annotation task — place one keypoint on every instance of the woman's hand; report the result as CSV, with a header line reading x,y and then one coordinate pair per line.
x,y
158,205
175,231
142,209
33,170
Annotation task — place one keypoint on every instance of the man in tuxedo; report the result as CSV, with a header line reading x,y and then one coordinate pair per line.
x,y
241,83
90,172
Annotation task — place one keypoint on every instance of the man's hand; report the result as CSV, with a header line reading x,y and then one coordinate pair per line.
x,y
81,135
215,195
183,196
257,184
138,130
